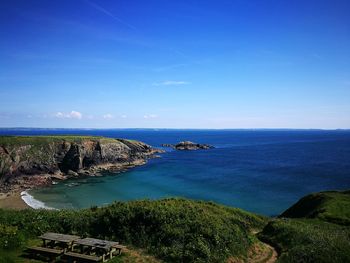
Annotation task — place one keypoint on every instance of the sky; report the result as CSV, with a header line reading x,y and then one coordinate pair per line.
x,y
175,64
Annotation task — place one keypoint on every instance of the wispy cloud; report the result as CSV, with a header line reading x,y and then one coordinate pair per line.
x,y
106,12
108,116
150,116
171,83
72,115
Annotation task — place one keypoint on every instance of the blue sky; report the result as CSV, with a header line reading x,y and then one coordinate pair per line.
x,y
175,64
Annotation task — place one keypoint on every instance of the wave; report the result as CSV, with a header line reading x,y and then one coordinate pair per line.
x,y
34,203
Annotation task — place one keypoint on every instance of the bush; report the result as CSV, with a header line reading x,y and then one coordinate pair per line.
x,y
172,229
10,237
308,240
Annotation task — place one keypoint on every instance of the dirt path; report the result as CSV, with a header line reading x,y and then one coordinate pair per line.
x,y
259,253
262,253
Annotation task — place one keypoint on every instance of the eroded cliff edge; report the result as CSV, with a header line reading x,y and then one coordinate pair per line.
x,y
29,161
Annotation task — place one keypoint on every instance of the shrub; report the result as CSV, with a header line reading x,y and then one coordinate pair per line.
x,y
10,237
172,229
308,240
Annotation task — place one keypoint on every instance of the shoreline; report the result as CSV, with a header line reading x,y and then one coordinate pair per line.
x,y
13,201
18,198
25,165
31,202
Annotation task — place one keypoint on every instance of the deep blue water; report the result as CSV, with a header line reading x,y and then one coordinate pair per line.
x,y
263,171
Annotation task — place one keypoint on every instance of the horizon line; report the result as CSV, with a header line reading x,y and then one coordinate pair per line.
x,y
140,128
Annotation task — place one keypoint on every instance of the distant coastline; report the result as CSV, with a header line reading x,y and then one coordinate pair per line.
x,y
169,129
32,161
246,169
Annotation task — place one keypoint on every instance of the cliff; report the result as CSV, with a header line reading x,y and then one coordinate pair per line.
x,y
23,158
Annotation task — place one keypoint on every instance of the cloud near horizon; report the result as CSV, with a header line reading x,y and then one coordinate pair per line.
x,y
72,115
108,116
150,116
171,83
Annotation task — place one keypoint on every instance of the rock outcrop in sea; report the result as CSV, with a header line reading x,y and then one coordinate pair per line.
x,y
26,162
187,145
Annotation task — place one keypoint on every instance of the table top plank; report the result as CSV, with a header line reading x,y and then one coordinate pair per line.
x,y
59,237
99,243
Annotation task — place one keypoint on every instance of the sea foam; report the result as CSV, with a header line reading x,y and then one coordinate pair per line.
x,y
34,203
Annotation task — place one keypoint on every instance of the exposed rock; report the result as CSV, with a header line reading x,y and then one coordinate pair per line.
x,y
187,145
24,158
71,173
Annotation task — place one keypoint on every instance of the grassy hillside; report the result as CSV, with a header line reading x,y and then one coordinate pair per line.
x,y
317,230
180,230
45,140
329,206
308,240
176,230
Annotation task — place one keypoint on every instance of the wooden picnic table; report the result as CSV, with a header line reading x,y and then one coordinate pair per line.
x,y
62,239
91,249
105,247
54,245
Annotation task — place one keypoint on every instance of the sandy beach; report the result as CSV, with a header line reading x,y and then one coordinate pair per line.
x,y
12,201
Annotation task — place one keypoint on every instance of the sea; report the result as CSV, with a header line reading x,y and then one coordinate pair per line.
x,y
261,171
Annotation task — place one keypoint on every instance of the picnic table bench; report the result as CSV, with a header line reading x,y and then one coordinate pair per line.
x,y
91,249
98,246
78,256
49,253
46,250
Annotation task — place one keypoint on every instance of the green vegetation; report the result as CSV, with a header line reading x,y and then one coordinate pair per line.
x,y
318,230
180,230
172,229
308,240
45,140
328,206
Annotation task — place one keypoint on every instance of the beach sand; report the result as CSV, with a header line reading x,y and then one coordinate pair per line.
x,y
12,201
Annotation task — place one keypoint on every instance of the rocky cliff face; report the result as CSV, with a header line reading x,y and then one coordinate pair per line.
x,y
61,157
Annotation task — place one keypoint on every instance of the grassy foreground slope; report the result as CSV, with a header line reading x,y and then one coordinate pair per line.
x,y
181,230
175,230
331,206
315,229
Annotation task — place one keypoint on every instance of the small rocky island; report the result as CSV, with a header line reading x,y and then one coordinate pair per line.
x,y
187,145
30,161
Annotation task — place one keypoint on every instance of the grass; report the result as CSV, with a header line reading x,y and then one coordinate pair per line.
x,y
308,240
328,206
317,229
44,140
173,230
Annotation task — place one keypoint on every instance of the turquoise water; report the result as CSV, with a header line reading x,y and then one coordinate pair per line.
x,y
260,171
